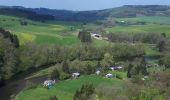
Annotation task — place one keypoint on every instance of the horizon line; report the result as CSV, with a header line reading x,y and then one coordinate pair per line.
x,y
76,10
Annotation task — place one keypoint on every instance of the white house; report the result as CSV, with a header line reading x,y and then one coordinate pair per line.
x,y
119,67
145,77
75,75
116,68
112,68
98,72
96,36
109,75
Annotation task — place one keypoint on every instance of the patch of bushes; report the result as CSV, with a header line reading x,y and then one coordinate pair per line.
x,y
53,98
119,77
54,74
64,76
85,93
58,73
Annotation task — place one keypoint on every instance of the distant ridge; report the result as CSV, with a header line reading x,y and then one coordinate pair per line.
x,y
118,12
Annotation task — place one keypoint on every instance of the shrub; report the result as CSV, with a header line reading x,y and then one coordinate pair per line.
x,y
64,76
107,92
119,76
53,98
54,74
85,93
137,79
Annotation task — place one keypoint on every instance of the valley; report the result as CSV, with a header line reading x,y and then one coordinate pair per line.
x,y
54,44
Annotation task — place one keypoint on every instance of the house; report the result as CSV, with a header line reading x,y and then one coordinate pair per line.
x,y
109,75
122,21
112,68
97,72
145,77
49,83
116,68
75,75
119,67
96,36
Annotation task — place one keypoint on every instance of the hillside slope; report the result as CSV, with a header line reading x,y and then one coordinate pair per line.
x,y
47,33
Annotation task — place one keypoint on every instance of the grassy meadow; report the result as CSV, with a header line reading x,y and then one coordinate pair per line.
x,y
42,33
65,90
65,33
154,24
151,19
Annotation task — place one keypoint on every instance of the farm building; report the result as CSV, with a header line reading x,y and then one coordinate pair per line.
x,y
116,68
75,75
97,72
109,75
96,36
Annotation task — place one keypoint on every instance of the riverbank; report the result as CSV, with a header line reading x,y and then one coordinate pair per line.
x,y
18,82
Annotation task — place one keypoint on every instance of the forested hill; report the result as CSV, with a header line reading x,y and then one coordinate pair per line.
x,y
119,12
66,15
24,13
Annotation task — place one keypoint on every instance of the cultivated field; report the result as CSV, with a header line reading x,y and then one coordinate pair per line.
x,y
42,33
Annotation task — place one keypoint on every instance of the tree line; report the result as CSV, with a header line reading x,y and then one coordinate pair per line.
x,y
26,13
151,38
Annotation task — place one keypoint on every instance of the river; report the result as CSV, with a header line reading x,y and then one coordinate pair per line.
x,y
14,87
18,82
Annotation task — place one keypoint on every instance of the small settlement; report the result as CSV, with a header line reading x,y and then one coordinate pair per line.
x,y
50,83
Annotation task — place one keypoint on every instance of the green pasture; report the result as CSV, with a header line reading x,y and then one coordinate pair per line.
x,y
65,90
48,32
154,24
151,19
150,28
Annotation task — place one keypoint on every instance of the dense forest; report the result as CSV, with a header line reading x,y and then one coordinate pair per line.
x,y
24,13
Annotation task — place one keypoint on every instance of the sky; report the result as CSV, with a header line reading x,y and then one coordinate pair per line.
x,y
80,5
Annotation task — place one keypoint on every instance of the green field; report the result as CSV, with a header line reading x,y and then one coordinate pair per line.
x,y
153,24
48,32
152,19
65,33
122,74
150,28
65,90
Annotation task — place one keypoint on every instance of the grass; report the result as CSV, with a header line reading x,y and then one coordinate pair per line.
x,y
43,72
152,19
63,33
150,28
41,33
100,43
66,40
65,90
154,24
120,73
